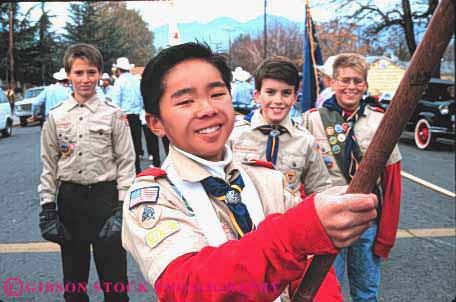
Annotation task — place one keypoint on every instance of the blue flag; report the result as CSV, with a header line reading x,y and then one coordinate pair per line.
x,y
312,58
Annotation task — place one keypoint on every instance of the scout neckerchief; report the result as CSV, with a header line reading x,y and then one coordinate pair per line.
x,y
273,132
231,195
339,129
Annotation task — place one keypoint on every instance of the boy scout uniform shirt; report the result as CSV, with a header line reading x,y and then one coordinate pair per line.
x,y
298,158
85,144
157,232
365,129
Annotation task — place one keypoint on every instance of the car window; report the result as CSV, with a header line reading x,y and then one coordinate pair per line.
x,y
437,92
31,93
3,98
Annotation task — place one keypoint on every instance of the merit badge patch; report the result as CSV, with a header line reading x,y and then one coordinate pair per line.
x,y
66,149
149,217
336,149
333,140
291,176
329,163
338,128
341,137
329,131
144,195
161,231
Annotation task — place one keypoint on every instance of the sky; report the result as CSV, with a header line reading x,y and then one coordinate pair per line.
x,y
157,13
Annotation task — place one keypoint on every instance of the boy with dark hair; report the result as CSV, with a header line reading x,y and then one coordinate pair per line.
x,y
343,128
270,134
197,228
88,165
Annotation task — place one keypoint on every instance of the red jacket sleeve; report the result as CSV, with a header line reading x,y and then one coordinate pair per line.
x,y
389,220
257,267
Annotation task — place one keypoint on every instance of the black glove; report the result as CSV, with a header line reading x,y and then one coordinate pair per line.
x,y
113,226
52,229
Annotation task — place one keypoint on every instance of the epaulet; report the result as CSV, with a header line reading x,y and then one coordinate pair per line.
x,y
155,172
109,103
240,123
259,163
57,106
313,110
376,108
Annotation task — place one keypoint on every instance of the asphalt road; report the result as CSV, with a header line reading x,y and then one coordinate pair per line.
x,y
422,266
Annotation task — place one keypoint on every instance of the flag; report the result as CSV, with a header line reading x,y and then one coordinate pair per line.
x,y
312,58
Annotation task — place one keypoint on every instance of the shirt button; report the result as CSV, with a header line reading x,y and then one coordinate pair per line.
x,y
80,135
80,171
80,118
80,153
81,105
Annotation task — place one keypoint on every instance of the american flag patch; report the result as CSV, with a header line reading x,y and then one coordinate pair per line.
x,y
144,195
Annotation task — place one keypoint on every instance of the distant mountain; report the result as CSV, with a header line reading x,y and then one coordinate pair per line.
x,y
218,32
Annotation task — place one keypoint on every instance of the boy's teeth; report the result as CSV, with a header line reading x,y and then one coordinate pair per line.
x,y
208,130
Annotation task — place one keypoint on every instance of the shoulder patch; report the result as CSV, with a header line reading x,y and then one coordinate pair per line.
x,y
161,231
143,195
155,172
259,163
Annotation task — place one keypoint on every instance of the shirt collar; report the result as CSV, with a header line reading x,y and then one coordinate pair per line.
x,y
258,120
194,169
91,104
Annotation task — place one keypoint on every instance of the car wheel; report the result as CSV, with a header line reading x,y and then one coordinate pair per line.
x,y
423,135
8,130
23,121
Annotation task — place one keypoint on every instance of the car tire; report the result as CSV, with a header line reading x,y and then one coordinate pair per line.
x,y
8,131
423,135
23,121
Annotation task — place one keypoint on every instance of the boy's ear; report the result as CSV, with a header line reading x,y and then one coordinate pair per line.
x,y
155,125
256,96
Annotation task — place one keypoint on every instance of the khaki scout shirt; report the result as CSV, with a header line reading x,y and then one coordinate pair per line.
x,y
297,158
173,218
365,129
85,144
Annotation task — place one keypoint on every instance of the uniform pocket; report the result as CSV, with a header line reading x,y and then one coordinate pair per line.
x,y
100,139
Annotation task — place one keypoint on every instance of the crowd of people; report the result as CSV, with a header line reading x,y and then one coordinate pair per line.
x,y
238,208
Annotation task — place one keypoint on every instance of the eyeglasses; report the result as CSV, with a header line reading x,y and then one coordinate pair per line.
x,y
346,81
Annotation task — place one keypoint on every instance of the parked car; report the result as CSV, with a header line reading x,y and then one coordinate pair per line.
x,y
23,109
6,116
434,115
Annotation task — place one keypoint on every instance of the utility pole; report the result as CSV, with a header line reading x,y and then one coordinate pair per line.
x,y
11,49
265,33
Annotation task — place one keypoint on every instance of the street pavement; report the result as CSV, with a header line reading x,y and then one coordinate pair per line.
x,y
421,267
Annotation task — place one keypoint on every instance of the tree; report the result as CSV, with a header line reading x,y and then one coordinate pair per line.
x,y
405,16
115,30
247,51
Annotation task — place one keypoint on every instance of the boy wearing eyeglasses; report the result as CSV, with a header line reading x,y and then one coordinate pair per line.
x,y
343,128
208,228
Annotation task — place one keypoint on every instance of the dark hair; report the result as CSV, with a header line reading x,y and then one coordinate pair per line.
x,y
82,51
152,86
277,68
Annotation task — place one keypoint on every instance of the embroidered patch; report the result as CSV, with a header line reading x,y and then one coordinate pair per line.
x,y
329,131
336,149
341,137
144,195
149,217
161,231
345,127
338,128
291,176
66,149
333,140
329,163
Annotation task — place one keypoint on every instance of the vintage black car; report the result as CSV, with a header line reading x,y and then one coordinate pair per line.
x,y
434,115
